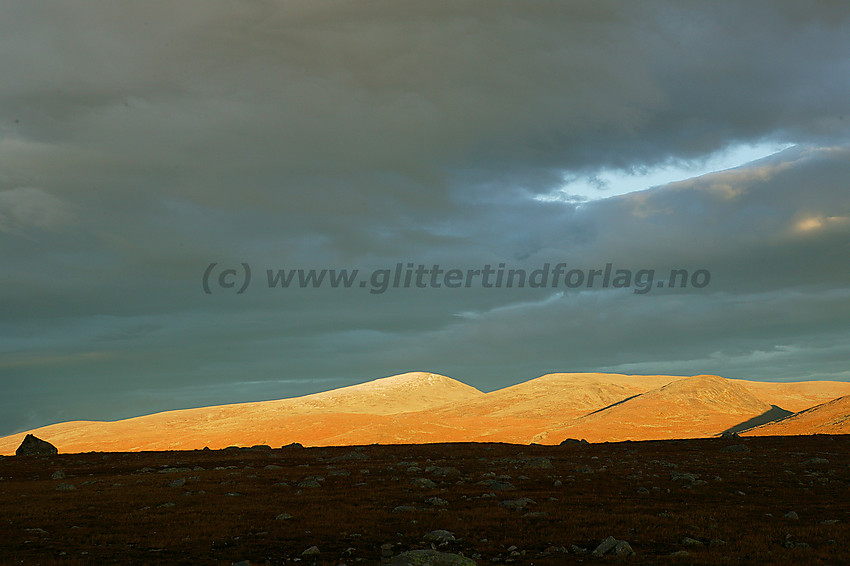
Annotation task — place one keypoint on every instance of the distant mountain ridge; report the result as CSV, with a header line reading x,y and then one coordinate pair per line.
x,y
420,407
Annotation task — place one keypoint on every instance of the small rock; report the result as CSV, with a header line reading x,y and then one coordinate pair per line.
x,y
353,455
684,478
66,487
403,508
520,503
424,483
735,448
792,516
283,517
312,551
539,463
430,558
688,541
177,483
789,543
58,475
498,485
440,536
443,471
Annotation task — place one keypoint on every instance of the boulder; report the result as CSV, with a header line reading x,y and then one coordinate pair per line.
x,y
32,446
622,549
614,547
605,546
424,483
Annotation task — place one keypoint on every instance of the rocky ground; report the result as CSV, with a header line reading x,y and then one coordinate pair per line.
x,y
771,500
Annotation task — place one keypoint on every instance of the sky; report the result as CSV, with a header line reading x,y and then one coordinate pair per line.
x,y
144,145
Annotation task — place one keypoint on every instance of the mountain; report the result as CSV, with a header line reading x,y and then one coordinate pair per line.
x,y
832,417
557,395
698,406
415,391
520,412
309,419
425,407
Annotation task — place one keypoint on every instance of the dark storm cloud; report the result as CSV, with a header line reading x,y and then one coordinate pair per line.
x,y
141,141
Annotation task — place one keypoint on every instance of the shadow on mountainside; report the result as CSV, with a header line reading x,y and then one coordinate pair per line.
x,y
776,413
613,405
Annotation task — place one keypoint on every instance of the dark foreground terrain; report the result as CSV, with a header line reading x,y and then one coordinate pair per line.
x,y
711,501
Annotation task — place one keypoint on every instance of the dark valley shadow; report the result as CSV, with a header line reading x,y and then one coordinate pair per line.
x,y
776,413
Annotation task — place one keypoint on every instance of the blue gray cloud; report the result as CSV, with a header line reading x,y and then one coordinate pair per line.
x,y
139,142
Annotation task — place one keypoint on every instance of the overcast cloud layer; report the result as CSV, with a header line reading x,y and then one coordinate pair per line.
x,y
142,141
